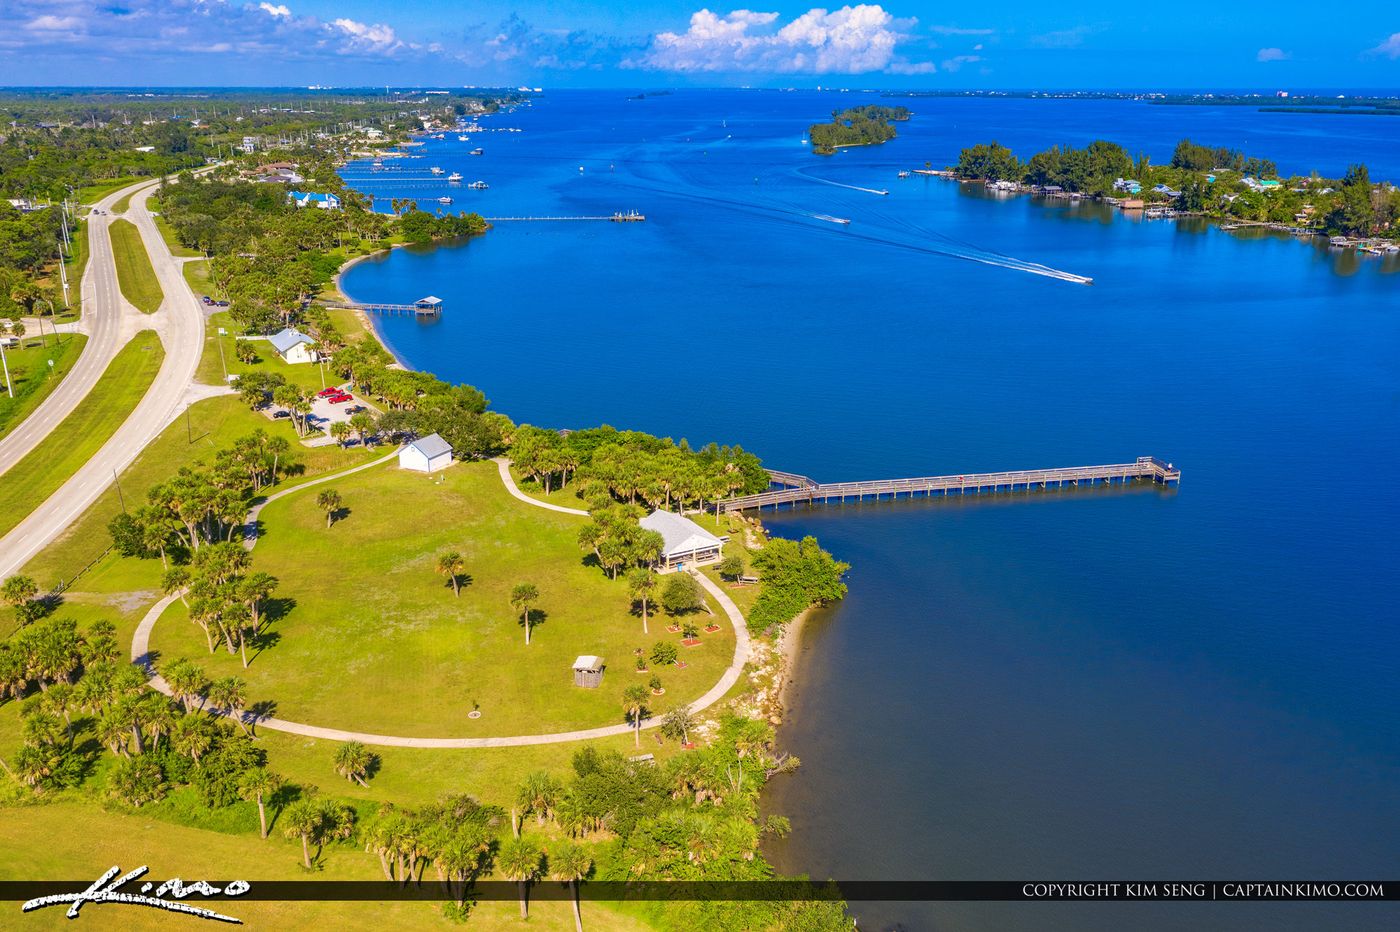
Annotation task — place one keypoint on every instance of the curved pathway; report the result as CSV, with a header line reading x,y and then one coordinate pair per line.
x,y
140,653
504,465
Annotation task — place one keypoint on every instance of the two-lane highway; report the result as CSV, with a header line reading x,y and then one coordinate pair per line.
x,y
180,325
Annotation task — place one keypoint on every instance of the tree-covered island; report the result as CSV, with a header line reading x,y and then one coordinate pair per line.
x,y
856,126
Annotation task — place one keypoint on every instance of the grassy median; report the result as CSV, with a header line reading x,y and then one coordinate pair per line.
x,y
31,377
73,442
134,272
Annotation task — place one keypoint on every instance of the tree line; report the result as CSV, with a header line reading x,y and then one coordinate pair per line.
x,y
856,126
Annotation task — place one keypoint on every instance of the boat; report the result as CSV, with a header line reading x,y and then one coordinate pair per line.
x,y
904,174
830,219
478,151
461,138
440,136
478,185
882,191
444,200
435,170
632,216
454,177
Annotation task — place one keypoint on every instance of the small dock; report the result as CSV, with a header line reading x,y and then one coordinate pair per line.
x,y
796,488
431,306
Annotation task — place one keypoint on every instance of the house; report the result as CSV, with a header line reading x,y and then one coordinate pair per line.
x,y
314,199
1165,189
1254,184
684,541
293,346
426,454
249,145
1127,185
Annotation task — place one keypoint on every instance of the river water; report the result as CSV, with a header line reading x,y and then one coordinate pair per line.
x,y
1137,684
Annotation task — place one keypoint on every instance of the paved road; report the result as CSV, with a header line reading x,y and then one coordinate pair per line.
x,y
180,324
141,649
108,320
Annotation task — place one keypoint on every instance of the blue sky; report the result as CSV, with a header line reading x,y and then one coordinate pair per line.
x,y
893,43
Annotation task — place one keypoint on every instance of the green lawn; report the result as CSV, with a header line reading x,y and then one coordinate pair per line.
x,y
81,840
213,424
375,640
93,193
83,432
307,376
31,377
134,272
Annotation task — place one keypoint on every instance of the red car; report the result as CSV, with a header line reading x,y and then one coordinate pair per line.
x,y
328,392
341,399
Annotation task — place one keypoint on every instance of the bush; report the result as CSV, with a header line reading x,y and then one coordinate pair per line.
x,y
796,574
137,781
681,594
663,653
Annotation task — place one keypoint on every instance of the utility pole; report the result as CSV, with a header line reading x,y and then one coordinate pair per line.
x,y
120,497
6,363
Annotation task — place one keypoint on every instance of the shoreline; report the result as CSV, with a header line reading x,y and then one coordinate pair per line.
x,y
365,320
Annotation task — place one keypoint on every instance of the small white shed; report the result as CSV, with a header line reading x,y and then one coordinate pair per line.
x,y
426,454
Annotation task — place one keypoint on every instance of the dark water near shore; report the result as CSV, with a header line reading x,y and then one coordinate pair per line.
x,y
1143,684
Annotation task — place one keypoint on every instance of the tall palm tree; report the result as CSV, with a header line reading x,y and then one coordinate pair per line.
x,y
186,681
521,598
353,761
642,583
569,862
450,564
189,738
230,694
519,860
329,502
634,700
258,785
302,820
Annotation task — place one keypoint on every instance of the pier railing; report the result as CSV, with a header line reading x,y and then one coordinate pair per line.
x,y
801,489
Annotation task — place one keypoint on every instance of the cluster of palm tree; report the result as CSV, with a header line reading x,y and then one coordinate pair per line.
x,y
616,540
195,692
225,598
319,822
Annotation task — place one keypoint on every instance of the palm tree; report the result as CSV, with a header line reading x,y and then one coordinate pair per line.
x,y
519,860
641,583
450,564
186,681
303,819
634,700
521,598
189,738
353,761
258,785
329,502
569,863
340,432
230,694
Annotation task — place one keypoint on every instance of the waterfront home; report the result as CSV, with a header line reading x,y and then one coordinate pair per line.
x,y
314,199
1254,184
426,454
1165,190
293,346
684,541
1127,185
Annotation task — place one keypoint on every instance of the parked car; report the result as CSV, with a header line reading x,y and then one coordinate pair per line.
x,y
328,392
282,413
221,303
341,399
354,409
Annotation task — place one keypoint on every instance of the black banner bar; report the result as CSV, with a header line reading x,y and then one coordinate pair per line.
x,y
783,890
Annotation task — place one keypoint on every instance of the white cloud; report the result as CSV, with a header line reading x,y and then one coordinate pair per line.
x,y
850,40
362,37
959,31
50,23
1272,54
1390,48
275,11
957,61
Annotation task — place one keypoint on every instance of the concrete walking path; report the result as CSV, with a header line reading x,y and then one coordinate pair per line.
x,y
504,465
140,653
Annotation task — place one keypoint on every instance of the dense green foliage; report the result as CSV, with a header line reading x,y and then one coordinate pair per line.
x,y
1216,182
796,575
856,126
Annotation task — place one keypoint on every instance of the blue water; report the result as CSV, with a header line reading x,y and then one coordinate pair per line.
x,y
1143,684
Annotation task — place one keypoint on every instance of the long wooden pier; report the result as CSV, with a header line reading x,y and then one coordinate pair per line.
x,y
630,217
423,307
800,489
